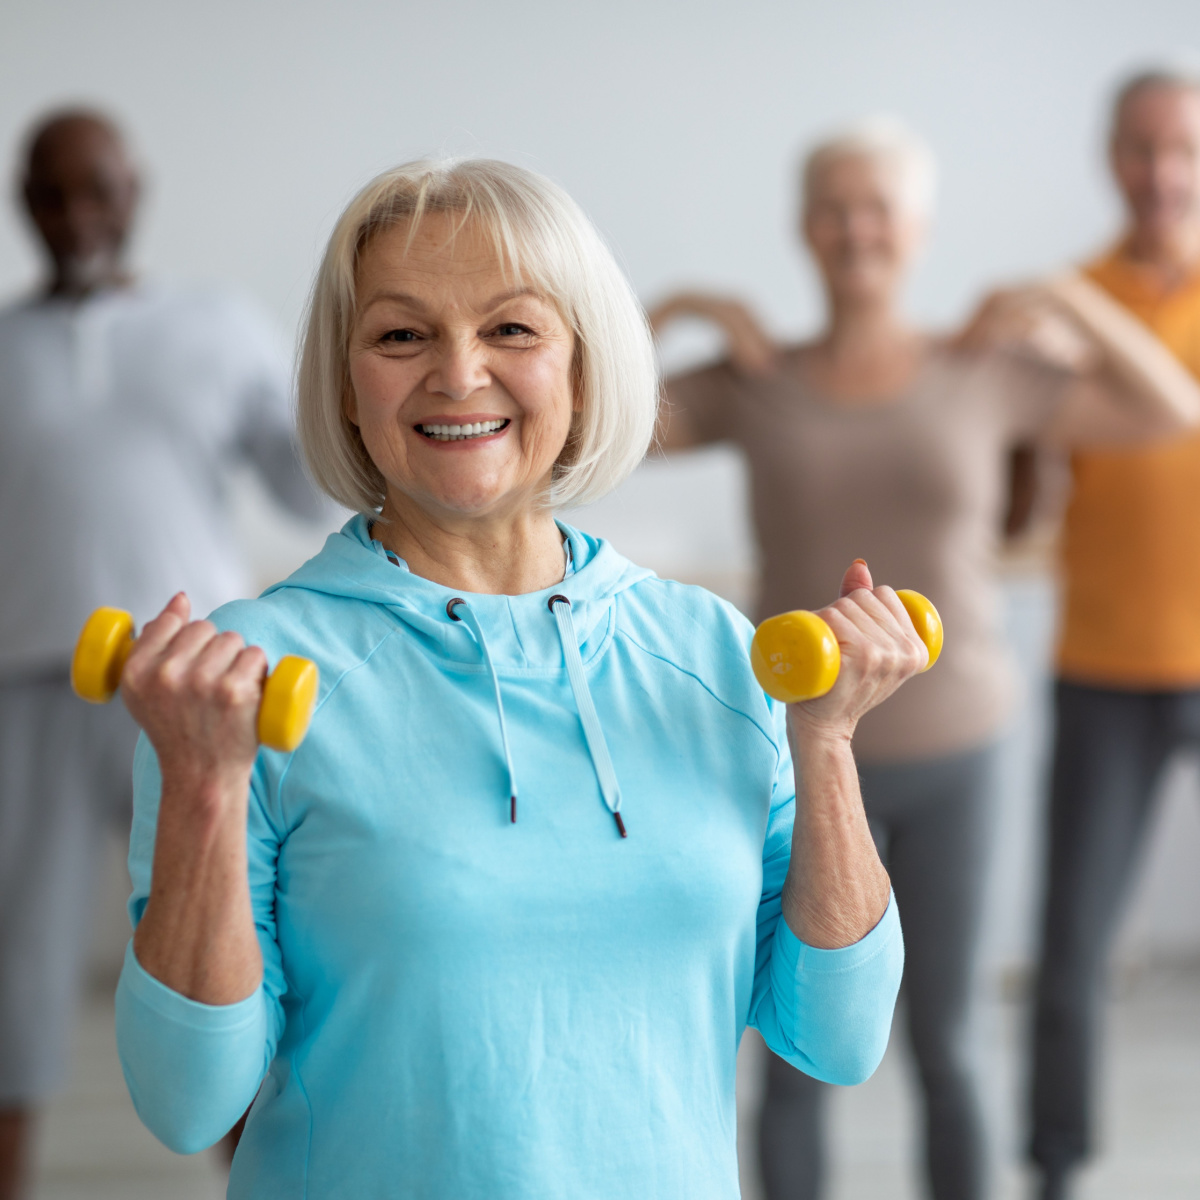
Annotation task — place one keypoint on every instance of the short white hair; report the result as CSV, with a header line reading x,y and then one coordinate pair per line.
x,y
544,240
886,140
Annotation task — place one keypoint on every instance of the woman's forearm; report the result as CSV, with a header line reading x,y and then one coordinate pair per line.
x,y
1133,357
836,888
197,934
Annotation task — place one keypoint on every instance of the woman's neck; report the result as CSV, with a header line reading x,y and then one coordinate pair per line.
x,y
868,351
509,555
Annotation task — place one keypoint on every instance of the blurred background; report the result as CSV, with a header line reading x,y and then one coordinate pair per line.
x,y
677,126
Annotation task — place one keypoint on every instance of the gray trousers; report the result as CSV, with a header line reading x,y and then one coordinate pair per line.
x,y
931,821
1110,750
65,777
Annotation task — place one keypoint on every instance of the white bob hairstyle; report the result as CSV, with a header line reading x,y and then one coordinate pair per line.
x,y
544,241
889,142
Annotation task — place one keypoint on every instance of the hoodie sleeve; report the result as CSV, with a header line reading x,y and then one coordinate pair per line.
x,y
193,1069
827,1012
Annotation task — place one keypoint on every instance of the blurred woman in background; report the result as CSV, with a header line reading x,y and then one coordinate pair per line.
x,y
882,441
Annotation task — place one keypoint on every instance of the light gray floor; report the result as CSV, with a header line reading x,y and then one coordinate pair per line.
x,y
92,1147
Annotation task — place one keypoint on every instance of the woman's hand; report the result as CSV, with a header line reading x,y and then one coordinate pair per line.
x,y
196,693
751,349
880,650
1041,318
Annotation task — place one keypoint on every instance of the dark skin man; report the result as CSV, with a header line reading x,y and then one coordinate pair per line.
x,y
80,191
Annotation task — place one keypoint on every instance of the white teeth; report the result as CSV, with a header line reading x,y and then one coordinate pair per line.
x,y
458,433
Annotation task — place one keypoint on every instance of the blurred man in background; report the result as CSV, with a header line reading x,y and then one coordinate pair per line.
x,y
123,406
1128,690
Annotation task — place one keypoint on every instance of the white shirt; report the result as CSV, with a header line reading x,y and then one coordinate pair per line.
x,y
120,418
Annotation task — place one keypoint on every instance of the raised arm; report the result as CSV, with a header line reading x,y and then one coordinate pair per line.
x,y
195,692
750,350
836,888
1128,386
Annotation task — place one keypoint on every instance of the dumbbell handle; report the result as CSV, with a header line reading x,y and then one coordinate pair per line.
x,y
289,692
795,656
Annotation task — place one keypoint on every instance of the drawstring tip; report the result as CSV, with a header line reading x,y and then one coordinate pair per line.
x,y
512,810
620,824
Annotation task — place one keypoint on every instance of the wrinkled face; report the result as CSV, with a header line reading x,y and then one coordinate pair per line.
x,y
81,193
859,229
461,382
1155,155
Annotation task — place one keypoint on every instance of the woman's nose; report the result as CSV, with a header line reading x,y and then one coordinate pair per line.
x,y
460,369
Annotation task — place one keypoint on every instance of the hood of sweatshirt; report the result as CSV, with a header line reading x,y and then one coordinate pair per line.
x,y
521,631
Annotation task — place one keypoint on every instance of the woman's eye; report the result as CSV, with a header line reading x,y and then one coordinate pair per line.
x,y
512,329
399,335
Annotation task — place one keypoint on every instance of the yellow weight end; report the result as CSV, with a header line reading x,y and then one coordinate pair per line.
x,y
287,703
100,654
926,620
795,657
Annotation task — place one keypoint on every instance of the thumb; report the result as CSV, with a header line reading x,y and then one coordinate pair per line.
x,y
180,605
857,576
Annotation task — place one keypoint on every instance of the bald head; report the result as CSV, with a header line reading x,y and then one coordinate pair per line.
x,y
1155,152
80,189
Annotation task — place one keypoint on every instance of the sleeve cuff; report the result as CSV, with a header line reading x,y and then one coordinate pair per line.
x,y
800,957
142,987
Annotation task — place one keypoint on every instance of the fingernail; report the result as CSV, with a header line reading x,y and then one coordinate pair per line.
x,y
861,560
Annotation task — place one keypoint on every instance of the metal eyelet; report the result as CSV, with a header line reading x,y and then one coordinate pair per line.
x,y
555,599
451,605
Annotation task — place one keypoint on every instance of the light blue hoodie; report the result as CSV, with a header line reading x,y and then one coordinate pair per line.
x,y
459,1007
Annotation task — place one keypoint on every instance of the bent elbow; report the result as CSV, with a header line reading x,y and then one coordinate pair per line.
x,y
179,1125
184,1140
857,1061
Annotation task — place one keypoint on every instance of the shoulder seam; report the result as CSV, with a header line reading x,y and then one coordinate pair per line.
x,y
623,633
362,662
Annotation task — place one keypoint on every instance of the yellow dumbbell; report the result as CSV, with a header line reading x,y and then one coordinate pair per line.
x,y
288,693
795,655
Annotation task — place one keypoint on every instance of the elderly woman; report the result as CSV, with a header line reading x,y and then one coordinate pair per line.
x,y
496,927
880,440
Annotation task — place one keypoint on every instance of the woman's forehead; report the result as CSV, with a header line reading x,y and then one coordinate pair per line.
x,y
441,261
441,242
853,171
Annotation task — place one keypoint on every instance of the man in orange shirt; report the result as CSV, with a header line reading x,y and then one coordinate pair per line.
x,y
1128,689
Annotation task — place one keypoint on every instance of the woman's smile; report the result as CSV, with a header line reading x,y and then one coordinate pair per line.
x,y
457,431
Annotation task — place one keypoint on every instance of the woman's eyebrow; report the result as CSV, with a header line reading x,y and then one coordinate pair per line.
x,y
505,297
418,305
409,301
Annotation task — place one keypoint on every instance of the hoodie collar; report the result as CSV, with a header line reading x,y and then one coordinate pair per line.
x,y
521,630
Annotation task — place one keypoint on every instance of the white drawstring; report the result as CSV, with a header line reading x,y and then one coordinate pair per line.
x,y
593,733
472,623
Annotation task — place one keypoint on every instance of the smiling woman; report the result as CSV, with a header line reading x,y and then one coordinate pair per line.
x,y
425,987
496,227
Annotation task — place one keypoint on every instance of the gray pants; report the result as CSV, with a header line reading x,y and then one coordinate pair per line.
x,y
1110,750
65,774
931,821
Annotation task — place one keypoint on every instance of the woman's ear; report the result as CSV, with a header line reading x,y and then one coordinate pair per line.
x,y
350,404
577,377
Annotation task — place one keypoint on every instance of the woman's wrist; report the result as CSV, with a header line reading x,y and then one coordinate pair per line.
x,y
810,736
195,807
678,305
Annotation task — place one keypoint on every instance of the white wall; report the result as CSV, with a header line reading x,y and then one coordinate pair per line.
x,y
675,124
